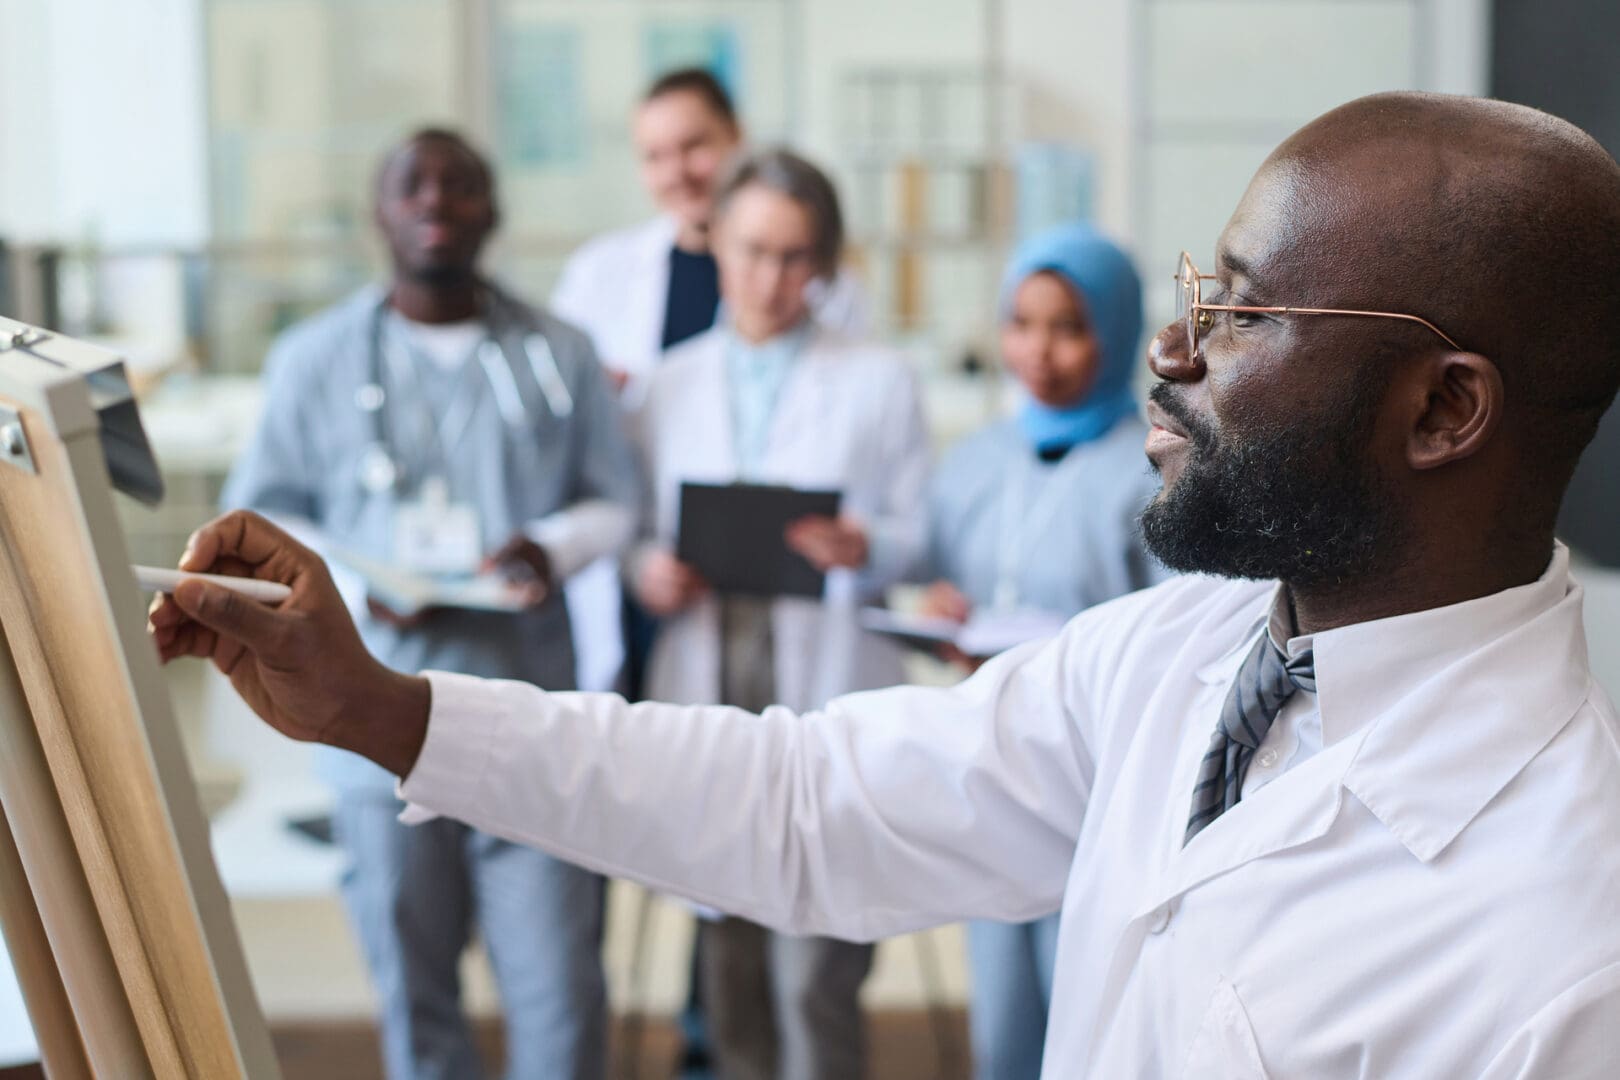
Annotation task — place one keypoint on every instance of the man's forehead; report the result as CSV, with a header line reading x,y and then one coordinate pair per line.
x,y
435,150
1289,218
677,111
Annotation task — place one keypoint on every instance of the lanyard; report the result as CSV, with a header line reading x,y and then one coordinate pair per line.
x,y
446,430
1019,529
379,470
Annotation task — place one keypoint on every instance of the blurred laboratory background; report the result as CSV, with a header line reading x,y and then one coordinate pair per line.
x,y
184,179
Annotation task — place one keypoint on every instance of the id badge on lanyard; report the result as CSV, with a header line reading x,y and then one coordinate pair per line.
x,y
433,535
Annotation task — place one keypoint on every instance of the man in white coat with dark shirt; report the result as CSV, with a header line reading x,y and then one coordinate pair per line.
x,y
642,290
1343,806
645,289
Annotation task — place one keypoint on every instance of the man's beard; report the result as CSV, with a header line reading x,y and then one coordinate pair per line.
x,y
1302,503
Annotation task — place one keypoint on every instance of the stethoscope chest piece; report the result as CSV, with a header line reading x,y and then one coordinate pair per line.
x,y
378,473
369,397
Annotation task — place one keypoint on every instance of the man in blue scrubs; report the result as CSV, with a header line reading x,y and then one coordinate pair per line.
x,y
439,426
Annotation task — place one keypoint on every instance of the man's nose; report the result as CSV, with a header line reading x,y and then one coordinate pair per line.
x,y
1171,357
432,195
772,274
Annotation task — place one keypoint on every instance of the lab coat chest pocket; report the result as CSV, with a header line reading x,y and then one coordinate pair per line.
x,y
1224,1047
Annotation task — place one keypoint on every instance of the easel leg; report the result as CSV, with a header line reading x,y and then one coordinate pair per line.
x,y
70,976
31,958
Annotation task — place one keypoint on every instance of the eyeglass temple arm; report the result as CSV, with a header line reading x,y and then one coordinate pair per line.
x,y
1201,306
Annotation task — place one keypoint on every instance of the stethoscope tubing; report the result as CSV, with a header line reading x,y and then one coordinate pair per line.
x,y
379,468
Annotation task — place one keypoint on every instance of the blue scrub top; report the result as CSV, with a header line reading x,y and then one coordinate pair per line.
x,y
305,461
1077,542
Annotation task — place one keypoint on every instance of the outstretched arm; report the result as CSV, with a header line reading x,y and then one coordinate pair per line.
x,y
884,812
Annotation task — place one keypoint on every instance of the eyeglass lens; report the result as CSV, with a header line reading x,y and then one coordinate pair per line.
x,y
1186,282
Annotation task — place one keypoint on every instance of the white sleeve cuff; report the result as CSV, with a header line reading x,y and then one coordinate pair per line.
x,y
465,725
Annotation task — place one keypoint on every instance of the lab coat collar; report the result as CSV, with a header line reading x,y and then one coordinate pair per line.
x,y
1224,668
1441,738
1296,808
658,238
783,348
1438,742
802,407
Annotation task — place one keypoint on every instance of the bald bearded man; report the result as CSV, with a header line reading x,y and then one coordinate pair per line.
x,y
1344,805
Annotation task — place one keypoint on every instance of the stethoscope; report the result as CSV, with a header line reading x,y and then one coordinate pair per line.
x,y
380,470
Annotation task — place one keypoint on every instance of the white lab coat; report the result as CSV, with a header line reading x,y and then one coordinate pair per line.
x,y
848,418
614,288
1432,894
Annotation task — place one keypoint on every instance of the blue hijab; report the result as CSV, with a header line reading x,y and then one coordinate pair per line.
x,y
1104,279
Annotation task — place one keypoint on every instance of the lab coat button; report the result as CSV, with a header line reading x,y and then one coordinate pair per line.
x,y
1160,919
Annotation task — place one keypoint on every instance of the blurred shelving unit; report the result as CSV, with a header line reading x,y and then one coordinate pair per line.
x,y
927,188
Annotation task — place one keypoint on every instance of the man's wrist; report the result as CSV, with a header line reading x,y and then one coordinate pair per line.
x,y
392,725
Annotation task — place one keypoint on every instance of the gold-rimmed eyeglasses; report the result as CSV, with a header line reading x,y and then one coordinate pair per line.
x,y
1199,317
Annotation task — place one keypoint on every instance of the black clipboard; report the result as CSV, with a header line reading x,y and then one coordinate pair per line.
x,y
731,534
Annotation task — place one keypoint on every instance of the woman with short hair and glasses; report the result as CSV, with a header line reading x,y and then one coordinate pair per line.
x,y
769,396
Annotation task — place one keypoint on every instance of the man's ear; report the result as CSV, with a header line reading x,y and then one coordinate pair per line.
x,y
1459,403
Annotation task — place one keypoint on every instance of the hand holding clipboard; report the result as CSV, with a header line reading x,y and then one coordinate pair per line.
x,y
765,540
828,542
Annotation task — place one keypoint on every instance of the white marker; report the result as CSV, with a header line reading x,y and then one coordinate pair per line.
x,y
157,579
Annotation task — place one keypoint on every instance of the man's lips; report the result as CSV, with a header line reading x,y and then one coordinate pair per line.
x,y
1164,437
436,233
1164,421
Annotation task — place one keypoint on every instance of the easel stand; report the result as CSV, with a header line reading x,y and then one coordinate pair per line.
x,y
113,912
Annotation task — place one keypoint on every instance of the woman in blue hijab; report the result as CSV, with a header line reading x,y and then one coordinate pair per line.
x,y
1034,520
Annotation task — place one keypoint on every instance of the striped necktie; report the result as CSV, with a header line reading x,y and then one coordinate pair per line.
x,y
1263,685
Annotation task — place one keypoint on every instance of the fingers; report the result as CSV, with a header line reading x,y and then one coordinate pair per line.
x,y
171,629
188,639
821,541
666,585
808,537
227,535
523,562
246,544
689,584
807,530
229,613
508,551
943,600
385,614
827,542
531,594
164,613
